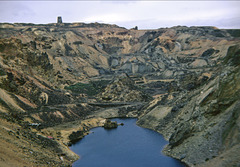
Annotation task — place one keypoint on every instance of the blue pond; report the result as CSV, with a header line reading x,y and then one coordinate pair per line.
x,y
125,146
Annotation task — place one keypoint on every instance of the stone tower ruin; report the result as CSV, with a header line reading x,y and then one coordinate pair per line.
x,y
59,20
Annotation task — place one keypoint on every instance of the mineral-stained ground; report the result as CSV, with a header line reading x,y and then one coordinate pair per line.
x,y
57,81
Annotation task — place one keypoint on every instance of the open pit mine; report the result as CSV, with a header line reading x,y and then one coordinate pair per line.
x,y
59,80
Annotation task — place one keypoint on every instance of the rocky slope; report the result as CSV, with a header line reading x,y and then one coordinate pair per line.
x,y
123,89
182,82
202,124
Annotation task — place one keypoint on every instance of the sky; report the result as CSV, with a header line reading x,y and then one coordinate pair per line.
x,y
144,14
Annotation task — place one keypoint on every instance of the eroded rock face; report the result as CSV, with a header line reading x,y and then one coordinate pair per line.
x,y
191,72
98,49
198,124
123,89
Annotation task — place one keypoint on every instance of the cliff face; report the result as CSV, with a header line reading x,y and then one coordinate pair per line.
x,y
202,125
54,74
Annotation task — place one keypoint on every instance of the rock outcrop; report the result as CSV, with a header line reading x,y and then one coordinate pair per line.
x,y
110,124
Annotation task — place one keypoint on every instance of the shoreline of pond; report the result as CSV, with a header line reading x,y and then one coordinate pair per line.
x,y
92,130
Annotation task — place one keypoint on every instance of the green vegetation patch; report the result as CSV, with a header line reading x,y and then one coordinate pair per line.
x,y
92,88
2,72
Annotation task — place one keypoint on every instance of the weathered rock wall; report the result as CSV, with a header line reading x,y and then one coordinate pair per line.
x,y
201,124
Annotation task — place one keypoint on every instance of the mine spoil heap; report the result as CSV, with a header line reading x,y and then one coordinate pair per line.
x,y
59,80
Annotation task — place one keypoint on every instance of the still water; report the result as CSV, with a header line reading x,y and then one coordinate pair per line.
x,y
125,146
